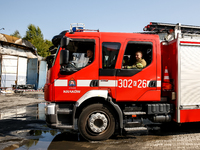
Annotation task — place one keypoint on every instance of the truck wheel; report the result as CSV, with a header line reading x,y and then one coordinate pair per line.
x,y
96,122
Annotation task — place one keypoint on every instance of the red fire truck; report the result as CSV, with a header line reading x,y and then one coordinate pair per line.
x,y
108,93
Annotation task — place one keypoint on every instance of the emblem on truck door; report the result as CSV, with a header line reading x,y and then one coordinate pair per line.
x,y
72,82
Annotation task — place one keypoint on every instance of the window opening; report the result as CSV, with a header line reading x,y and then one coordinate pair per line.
x,y
138,55
81,53
109,54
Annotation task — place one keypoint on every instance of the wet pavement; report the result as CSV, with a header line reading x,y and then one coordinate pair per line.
x,y
28,112
16,100
173,138
23,127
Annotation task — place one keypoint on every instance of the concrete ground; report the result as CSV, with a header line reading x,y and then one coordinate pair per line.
x,y
11,107
20,99
27,131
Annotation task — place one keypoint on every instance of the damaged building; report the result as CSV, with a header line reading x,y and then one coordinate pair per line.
x,y
20,64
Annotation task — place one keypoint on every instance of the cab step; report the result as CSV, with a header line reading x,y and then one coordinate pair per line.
x,y
133,124
134,113
136,129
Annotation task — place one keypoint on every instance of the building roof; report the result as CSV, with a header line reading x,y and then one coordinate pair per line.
x,y
17,42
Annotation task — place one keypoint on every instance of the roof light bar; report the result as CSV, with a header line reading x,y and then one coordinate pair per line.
x,y
77,27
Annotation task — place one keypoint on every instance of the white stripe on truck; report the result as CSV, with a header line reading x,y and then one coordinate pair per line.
x,y
84,83
108,83
60,82
102,83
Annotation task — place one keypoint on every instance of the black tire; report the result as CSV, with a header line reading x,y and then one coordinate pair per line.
x,y
83,122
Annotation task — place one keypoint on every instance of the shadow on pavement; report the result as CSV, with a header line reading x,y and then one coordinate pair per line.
x,y
8,126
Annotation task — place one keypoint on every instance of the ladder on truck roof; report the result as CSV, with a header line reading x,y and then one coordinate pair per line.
x,y
169,28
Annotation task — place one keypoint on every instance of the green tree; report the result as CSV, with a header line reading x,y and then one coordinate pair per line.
x,y
35,36
16,34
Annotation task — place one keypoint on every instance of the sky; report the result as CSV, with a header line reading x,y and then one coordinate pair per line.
x,y
55,16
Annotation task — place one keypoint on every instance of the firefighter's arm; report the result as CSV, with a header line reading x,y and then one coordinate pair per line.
x,y
141,64
138,65
131,67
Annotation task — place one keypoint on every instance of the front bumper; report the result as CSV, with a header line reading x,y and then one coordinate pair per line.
x,y
52,118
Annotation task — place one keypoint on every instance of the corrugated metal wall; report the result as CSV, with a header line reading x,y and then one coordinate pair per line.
x,y
22,70
9,70
190,75
13,68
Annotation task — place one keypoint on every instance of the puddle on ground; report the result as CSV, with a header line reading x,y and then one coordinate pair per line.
x,y
38,139
53,139
56,140
30,112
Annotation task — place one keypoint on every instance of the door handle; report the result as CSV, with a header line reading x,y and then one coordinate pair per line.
x,y
152,83
94,83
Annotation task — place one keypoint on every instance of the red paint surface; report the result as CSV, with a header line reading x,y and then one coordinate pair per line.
x,y
190,115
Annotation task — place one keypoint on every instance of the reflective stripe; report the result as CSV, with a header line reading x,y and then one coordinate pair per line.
x,y
60,82
166,71
158,83
166,77
102,83
148,83
83,82
108,83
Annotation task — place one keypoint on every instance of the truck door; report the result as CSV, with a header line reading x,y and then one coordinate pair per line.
x,y
81,74
107,71
137,81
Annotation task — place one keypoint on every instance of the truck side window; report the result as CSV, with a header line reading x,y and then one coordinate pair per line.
x,y
138,55
81,53
110,52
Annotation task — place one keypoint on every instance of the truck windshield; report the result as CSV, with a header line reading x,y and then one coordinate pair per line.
x,y
55,55
81,53
51,58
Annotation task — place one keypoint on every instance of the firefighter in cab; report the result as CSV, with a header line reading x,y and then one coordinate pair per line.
x,y
139,64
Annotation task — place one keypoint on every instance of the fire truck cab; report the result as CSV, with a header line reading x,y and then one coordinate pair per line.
x,y
98,86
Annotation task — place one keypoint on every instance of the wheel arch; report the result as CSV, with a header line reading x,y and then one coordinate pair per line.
x,y
103,99
90,101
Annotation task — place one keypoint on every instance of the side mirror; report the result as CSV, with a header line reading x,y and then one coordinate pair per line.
x,y
64,57
53,49
64,42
